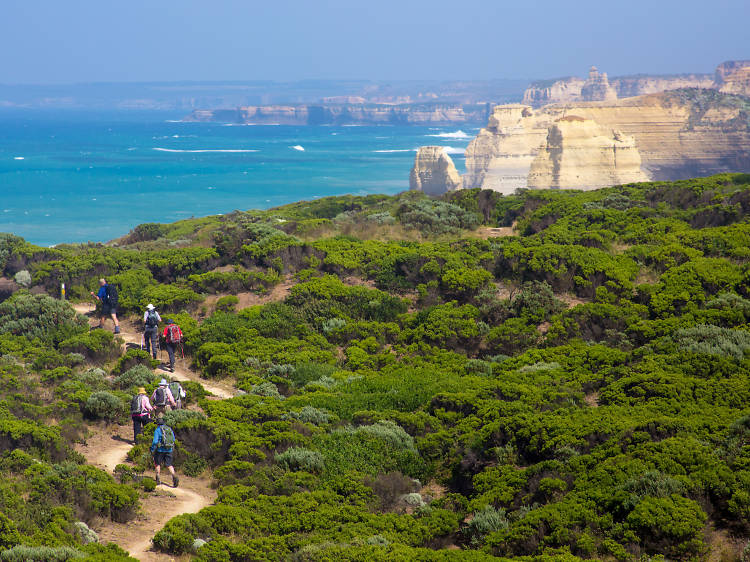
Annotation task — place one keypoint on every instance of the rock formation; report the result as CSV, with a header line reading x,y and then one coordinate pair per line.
x,y
581,153
597,87
733,77
678,134
347,113
434,172
730,77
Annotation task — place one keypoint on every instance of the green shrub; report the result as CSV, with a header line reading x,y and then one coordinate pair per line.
x,y
227,303
41,554
310,414
484,522
40,316
104,405
298,458
714,340
132,358
97,345
136,376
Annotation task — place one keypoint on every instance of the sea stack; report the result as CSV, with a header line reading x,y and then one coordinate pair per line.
x,y
434,172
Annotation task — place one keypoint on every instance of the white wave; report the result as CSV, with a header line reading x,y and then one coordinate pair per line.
x,y
205,150
298,147
18,158
173,121
454,135
132,148
398,150
453,150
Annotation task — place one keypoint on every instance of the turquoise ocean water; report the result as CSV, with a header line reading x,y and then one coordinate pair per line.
x,y
76,177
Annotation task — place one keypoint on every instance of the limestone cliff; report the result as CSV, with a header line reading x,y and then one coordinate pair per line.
x,y
599,88
678,134
580,153
349,113
434,172
733,77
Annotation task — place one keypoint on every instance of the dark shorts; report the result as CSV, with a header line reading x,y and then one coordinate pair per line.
x,y
164,459
107,310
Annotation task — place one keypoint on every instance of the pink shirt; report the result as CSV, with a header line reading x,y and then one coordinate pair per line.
x,y
145,405
170,398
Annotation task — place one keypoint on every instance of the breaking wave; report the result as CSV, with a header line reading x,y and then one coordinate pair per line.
x,y
206,150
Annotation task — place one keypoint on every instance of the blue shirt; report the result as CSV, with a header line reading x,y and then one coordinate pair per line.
x,y
102,294
155,442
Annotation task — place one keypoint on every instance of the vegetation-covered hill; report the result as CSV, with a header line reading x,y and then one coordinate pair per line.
x,y
422,388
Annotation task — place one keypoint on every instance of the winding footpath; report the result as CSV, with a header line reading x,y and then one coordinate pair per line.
x,y
108,445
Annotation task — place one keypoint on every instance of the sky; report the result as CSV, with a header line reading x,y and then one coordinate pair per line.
x,y
56,42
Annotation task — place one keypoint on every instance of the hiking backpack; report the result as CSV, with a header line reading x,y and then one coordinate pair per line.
x,y
174,334
160,396
111,297
176,389
136,406
151,321
166,439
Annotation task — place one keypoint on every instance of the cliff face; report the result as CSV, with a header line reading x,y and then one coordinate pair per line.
x,y
434,172
581,153
730,77
680,134
733,77
343,114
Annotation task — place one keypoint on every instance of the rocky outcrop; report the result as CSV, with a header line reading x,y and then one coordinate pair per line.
x,y
434,172
581,153
730,77
346,114
733,77
597,87
679,134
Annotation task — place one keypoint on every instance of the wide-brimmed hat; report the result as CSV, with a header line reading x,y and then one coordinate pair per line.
x,y
160,420
141,390
163,382
150,306
169,321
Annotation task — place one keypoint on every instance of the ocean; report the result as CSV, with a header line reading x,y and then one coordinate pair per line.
x,y
70,176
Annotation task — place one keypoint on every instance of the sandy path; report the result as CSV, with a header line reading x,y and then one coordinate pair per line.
x,y
133,336
107,447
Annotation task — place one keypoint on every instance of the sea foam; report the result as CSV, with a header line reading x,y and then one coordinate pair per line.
x,y
298,147
454,135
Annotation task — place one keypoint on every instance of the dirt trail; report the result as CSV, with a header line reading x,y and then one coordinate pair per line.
x,y
107,447
133,337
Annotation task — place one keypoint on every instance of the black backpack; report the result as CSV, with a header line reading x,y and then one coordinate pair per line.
x,y
111,296
136,406
151,321
160,396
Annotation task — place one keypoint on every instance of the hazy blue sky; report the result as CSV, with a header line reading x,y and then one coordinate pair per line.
x,y
54,41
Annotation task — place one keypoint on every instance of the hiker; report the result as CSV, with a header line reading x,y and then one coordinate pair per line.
x,y
140,411
162,396
151,321
107,295
172,338
178,393
161,449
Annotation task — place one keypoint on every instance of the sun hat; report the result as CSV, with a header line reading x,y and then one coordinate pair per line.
x,y
150,306
141,390
163,382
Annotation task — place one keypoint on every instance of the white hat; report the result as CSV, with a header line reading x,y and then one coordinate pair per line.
x,y
150,306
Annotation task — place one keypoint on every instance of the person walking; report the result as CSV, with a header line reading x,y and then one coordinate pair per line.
x,y
178,393
161,448
172,338
140,411
107,295
151,321
162,397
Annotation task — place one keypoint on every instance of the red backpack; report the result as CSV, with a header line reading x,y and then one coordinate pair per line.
x,y
174,334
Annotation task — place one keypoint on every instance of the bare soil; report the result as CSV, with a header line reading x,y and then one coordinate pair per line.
x,y
106,447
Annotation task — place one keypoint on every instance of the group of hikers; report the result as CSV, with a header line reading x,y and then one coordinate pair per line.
x,y
143,408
